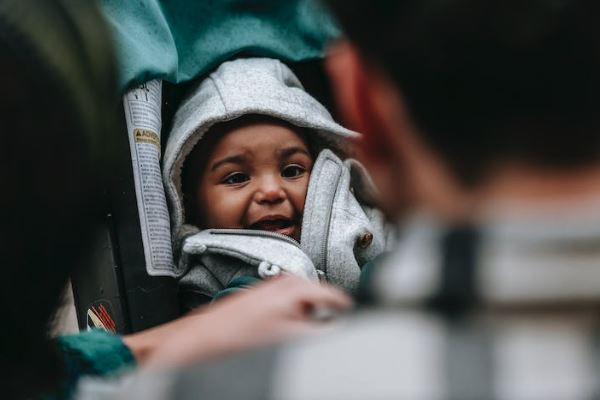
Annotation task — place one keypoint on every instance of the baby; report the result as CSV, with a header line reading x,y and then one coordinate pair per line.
x,y
255,191
250,173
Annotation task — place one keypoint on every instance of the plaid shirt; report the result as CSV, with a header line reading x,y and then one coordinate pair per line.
x,y
506,310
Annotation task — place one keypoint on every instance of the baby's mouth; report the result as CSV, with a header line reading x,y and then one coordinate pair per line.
x,y
281,225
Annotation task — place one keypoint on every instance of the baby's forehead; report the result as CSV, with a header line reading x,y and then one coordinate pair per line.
x,y
258,134
215,142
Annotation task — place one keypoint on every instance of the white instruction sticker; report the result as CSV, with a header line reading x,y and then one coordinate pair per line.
x,y
143,115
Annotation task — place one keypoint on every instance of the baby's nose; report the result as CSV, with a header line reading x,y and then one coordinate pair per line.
x,y
270,190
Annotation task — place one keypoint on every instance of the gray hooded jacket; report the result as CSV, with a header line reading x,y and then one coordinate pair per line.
x,y
340,229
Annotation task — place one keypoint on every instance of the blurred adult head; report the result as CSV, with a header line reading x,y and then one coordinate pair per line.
x,y
454,93
57,80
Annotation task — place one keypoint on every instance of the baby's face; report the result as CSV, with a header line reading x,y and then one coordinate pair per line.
x,y
256,178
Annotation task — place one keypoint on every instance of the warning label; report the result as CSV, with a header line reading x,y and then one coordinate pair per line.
x,y
143,115
146,136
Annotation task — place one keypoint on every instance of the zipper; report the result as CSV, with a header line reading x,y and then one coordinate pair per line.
x,y
325,243
255,232
268,234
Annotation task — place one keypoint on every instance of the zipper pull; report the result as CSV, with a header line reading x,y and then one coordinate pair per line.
x,y
267,270
321,275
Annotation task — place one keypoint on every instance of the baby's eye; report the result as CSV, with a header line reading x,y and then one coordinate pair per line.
x,y
235,178
292,171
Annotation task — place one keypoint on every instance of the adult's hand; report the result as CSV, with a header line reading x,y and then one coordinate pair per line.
x,y
270,312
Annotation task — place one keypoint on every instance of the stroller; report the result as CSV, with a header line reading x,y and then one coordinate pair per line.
x,y
162,48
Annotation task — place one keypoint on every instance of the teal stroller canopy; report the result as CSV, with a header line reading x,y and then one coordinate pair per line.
x,y
178,40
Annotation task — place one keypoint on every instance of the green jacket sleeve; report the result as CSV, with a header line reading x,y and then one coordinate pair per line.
x,y
92,353
366,291
237,284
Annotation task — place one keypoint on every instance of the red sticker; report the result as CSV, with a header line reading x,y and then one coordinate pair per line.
x,y
99,316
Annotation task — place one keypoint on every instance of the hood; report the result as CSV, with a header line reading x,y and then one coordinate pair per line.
x,y
241,87
341,233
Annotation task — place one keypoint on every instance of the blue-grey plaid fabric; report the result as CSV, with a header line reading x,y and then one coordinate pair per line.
x,y
520,321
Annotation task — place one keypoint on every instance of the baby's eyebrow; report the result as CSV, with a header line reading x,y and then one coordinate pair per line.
x,y
290,151
236,159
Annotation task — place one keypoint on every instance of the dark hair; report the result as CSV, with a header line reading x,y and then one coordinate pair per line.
x,y
55,109
40,175
489,81
45,210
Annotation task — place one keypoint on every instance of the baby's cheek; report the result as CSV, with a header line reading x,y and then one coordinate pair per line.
x,y
231,210
299,194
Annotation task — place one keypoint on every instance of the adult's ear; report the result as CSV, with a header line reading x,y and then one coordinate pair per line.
x,y
346,76
404,168
368,104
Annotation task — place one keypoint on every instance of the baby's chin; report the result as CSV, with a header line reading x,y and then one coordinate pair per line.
x,y
297,234
292,231
286,227
289,231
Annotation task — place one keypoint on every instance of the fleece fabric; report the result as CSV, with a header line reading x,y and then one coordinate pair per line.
x,y
340,228
261,86
214,258
339,235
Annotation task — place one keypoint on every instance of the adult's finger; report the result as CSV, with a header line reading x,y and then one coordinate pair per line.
x,y
310,295
327,296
